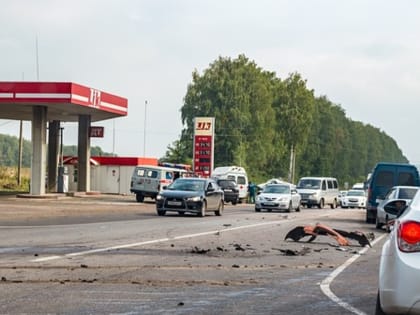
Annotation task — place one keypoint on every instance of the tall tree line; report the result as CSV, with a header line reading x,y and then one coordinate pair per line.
x,y
260,119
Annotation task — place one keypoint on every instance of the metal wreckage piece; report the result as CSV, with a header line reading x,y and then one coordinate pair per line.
x,y
340,236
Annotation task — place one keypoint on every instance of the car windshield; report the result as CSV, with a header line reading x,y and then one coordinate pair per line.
x,y
309,183
226,183
277,189
187,184
356,193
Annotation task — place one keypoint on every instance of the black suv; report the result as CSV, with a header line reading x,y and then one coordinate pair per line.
x,y
231,190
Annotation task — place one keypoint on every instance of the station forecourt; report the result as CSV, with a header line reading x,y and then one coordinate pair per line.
x,y
46,105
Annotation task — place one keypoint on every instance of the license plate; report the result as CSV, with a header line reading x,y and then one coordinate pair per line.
x,y
174,203
229,190
269,203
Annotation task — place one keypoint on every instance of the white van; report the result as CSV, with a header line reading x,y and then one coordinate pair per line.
x,y
149,180
318,191
237,174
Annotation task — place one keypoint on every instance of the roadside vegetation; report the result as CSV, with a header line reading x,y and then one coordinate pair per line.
x,y
271,126
9,153
9,179
263,122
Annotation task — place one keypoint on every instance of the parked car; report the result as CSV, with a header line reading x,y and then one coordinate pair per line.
x,y
397,192
278,197
341,195
230,189
236,173
384,176
149,180
399,267
358,186
318,191
192,195
354,198
270,181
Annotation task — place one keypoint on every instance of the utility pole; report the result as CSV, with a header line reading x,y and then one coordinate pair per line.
x,y
144,133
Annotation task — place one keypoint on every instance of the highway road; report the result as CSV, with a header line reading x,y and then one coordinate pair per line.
x,y
111,255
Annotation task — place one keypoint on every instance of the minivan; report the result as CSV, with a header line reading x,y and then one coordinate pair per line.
x,y
383,177
318,191
149,180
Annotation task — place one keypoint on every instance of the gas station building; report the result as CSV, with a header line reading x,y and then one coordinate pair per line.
x,y
46,105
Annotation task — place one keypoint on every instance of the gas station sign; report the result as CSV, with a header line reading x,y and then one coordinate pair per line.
x,y
203,154
96,131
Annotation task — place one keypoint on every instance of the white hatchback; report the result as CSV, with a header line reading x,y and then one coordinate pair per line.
x,y
282,196
354,198
399,268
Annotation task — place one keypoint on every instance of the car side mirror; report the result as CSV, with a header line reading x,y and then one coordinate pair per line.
x,y
396,207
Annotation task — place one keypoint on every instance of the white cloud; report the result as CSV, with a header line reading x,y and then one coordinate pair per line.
x,y
362,54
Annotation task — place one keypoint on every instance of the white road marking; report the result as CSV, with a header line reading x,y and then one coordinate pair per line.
x,y
161,240
325,284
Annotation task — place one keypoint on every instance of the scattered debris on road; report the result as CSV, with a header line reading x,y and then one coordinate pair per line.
x,y
299,232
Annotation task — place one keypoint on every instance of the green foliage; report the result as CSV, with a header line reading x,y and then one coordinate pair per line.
x,y
259,118
9,151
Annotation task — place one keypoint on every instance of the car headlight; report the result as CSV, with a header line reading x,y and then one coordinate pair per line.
x,y
196,198
159,197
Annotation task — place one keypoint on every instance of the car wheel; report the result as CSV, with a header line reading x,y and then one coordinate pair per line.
x,y
387,225
321,204
290,207
139,198
219,210
378,309
257,210
334,204
203,210
181,212
378,224
161,212
234,202
298,208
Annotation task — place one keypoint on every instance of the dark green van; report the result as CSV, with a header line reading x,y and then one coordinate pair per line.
x,y
385,176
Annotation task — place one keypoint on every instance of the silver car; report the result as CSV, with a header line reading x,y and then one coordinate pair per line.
x,y
399,267
282,196
397,192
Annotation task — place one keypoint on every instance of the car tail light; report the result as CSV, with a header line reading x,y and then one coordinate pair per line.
x,y
409,236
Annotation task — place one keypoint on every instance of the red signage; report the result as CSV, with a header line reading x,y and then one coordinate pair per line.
x,y
203,146
96,132
203,155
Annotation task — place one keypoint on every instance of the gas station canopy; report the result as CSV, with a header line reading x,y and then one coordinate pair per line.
x,y
65,101
46,105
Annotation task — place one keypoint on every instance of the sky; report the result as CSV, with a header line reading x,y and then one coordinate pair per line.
x,y
362,55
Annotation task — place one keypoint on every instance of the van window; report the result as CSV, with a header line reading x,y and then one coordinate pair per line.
x,y
324,185
231,177
330,184
385,178
140,172
168,175
405,179
152,174
309,183
335,184
241,180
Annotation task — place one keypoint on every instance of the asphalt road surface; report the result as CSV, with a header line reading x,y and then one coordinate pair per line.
x,y
108,254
